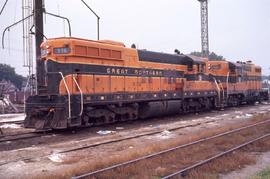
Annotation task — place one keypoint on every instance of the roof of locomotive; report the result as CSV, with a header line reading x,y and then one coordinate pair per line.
x,y
109,42
239,64
159,57
197,60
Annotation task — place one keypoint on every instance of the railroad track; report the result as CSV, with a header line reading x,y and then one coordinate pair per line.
x,y
200,163
95,144
101,143
22,136
11,122
28,135
114,168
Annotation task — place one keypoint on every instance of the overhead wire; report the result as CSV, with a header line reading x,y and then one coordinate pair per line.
x,y
58,13
9,42
2,9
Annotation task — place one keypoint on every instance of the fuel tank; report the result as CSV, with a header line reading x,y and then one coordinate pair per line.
x,y
159,108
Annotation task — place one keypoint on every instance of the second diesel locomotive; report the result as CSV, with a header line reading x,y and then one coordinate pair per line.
x,y
89,83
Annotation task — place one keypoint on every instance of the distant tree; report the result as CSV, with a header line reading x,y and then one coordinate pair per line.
x,y
265,77
197,54
176,51
212,55
8,73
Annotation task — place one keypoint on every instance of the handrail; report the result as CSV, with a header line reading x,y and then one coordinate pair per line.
x,y
218,89
65,83
223,92
81,94
228,75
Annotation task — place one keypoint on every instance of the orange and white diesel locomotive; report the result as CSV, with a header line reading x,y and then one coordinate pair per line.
x,y
89,82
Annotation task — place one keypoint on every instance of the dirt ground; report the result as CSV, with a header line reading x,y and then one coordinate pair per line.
x,y
263,161
44,160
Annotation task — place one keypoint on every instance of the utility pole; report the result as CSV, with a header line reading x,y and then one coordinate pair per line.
x,y
38,21
204,28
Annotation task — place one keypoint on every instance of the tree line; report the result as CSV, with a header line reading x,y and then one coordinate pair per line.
x,y
8,73
212,55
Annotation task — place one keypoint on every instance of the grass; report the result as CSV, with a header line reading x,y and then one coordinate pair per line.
x,y
159,167
234,161
223,165
264,174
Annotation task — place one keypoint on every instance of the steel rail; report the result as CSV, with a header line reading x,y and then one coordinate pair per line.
x,y
12,122
215,157
12,135
128,138
21,136
107,142
167,150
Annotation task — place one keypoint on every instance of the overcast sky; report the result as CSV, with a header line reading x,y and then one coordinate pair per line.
x,y
238,29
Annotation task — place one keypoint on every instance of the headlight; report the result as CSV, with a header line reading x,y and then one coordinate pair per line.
x,y
45,52
61,50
